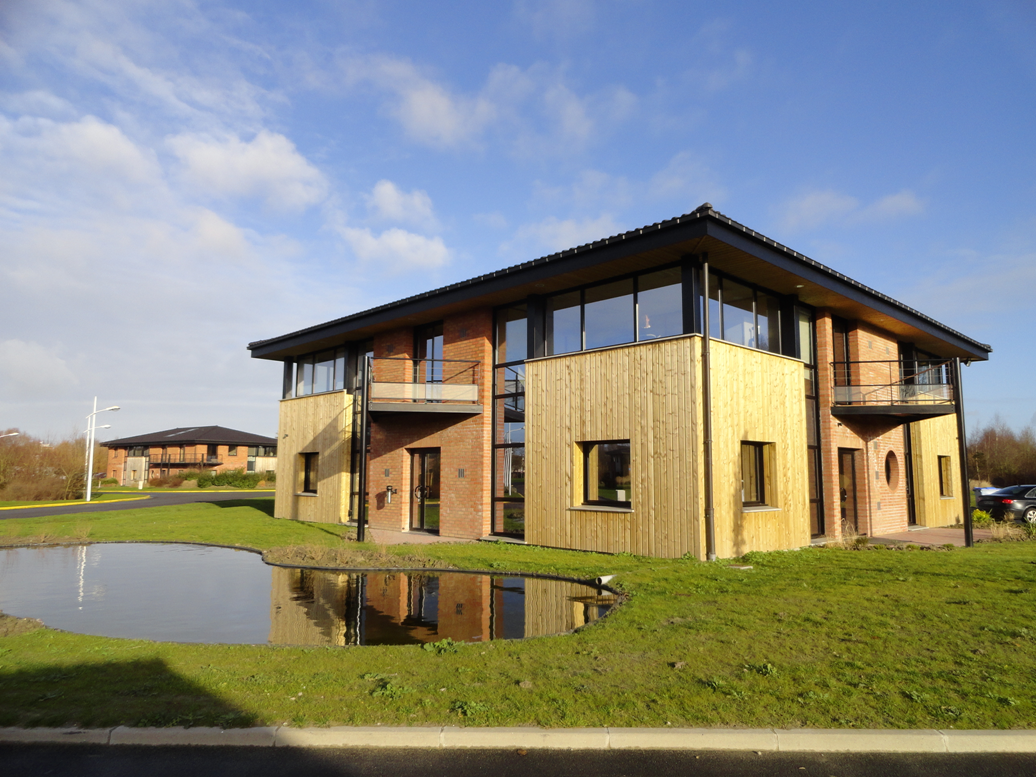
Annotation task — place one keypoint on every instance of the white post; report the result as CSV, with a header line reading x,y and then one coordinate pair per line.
x,y
90,450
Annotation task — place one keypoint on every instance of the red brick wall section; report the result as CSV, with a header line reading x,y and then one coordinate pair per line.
x,y
465,441
881,506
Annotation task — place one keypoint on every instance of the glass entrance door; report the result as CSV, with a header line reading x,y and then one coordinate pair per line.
x,y
847,488
424,492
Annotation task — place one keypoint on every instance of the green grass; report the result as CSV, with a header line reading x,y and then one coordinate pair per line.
x,y
815,638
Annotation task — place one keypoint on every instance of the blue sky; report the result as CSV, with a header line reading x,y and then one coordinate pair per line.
x,y
180,178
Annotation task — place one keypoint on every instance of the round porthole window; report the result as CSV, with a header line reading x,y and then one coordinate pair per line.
x,y
892,470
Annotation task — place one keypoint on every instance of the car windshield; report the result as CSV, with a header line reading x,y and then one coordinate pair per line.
x,y
1013,491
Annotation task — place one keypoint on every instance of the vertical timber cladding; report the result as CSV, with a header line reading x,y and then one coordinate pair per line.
x,y
646,393
930,439
758,397
321,424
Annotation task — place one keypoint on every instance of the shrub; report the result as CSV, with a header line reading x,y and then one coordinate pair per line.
x,y
110,482
191,474
981,518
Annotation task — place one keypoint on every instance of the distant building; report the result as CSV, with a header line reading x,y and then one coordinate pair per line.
x,y
691,387
174,451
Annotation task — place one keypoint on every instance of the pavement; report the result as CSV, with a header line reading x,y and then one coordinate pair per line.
x,y
936,537
144,500
530,738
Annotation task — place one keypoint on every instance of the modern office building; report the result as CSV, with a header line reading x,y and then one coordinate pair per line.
x,y
688,387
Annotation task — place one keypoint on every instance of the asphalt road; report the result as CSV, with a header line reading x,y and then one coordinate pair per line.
x,y
90,760
155,499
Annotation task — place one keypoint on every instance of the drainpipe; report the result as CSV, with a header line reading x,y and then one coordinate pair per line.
x,y
706,398
361,499
962,446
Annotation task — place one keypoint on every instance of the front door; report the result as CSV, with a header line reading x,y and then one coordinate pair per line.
x,y
847,488
424,499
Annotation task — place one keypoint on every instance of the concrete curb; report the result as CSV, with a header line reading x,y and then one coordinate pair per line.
x,y
456,738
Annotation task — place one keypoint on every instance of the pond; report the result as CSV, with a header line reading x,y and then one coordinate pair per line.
x,y
194,593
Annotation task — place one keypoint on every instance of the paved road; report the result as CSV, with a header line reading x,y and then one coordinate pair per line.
x,y
156,499
90,760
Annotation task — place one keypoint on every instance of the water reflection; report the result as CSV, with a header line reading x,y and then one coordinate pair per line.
x,y
406,608
188,593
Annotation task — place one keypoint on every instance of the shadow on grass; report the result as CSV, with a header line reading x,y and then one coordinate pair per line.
x,y
130,693
262,504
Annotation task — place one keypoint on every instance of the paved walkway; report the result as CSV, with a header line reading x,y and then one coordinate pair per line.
x,y
922,535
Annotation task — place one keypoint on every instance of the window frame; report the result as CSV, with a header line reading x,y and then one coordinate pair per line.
x,y
589,448
309,473
758,462
945,465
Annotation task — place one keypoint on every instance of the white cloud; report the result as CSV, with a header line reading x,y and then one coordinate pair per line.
x,y
556,18
552,234
38,102
268,167
904,203
29,370
387,202
428,111
396,249
816,208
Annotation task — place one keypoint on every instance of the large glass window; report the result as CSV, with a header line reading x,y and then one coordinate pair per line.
x,y
744,315
659,304
509,418
564,323
608,314
320,372
628,310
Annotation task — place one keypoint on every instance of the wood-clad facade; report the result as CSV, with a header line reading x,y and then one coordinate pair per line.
x,y
688,388
323,425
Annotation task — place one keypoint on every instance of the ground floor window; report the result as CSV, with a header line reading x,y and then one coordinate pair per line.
x,y
606,473
945,477
309,472
756,488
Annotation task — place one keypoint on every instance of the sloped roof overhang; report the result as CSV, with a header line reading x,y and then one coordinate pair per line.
x,y
731,247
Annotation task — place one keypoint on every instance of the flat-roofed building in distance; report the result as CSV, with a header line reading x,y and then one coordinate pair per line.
x,y
174,451
688,387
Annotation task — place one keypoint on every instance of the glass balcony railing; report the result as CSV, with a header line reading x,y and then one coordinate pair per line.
x,y
432,381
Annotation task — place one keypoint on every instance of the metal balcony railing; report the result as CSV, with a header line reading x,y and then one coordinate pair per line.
x,y
187,458
439,381
886,383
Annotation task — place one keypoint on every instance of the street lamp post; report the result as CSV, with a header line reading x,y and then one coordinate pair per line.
x,y
91,427
9,434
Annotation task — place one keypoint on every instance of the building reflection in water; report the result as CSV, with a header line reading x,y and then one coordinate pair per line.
x,y
316,607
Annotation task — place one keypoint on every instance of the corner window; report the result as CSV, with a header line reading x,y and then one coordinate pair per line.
x,y
945,476
232,450
756,488
606,473
309,473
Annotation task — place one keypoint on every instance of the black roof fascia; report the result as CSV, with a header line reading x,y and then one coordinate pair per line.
x,y
754,244
701,222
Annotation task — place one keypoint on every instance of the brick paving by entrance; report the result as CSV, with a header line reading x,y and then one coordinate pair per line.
x,y
922,535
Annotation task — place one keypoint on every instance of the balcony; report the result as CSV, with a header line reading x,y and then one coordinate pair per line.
x,y
906,391
424,386
175,459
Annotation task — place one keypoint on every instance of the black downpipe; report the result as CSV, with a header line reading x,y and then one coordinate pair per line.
x,y
962,445
706,396
361,498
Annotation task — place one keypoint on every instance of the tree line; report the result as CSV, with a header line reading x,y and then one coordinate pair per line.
x,y
34,469
998,454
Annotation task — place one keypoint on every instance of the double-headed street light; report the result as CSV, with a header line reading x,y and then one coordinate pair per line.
x,y
91,427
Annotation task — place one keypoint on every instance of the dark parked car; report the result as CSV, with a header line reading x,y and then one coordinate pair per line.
x,y
1011,502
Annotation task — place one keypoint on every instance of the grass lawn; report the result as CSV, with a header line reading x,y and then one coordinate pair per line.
x,y
816,638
